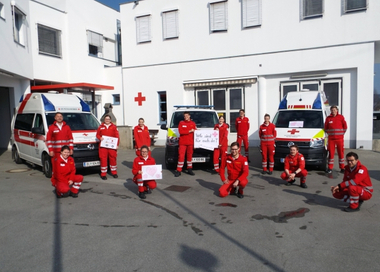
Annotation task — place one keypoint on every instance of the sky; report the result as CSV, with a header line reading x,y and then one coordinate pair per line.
x,y
113,3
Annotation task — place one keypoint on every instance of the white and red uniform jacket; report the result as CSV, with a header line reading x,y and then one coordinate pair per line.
x,y
186,137
137,165
223,133
358,176
335,126
111,131
58,137
237,169
242,126
64,170
142,136
267,133
292,163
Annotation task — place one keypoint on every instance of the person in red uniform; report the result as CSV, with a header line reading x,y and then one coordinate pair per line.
x,y
145,186
242,127
267,134
221,151
335,127
67,183
107,128
59,134
186,130
356,186
142,136
294,166
237,170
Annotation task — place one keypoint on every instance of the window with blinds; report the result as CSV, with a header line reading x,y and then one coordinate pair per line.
x,y
311,8
95,44
49,41
18,18
143,29
354,5
251,13
170,24
218,16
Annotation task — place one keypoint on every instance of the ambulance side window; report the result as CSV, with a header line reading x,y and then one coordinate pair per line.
x,y
24,121
39,123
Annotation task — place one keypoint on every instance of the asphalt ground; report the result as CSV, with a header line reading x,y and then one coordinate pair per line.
x,y
184,225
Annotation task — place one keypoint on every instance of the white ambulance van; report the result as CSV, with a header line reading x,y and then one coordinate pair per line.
x,y
31,123
300,120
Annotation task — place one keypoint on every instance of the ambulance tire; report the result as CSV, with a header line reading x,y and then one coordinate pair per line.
x,y
16,155
169,166
46,165
323,166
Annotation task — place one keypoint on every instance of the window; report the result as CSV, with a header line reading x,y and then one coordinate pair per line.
x,y
170,24
310,85
332,89
39,123
2,12
202,97
251,13
24,121
288,87
218,16
354,5
49,41
95,44
311,8
18,18
116,99
143,29
162,107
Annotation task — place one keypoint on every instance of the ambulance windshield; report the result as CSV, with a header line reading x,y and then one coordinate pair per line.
x,y
203,119
76,120
298,118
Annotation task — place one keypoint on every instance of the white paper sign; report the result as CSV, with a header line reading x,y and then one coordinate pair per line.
x,y
150,172
206,138
109,142
296,124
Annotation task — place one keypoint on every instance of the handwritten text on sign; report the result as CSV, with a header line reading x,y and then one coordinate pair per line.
x,y
206,138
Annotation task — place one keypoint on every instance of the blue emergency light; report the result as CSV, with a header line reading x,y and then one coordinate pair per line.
x,y
47,104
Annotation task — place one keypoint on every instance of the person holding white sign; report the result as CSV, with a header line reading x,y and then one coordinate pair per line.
x,y
145,186
107,131
221,151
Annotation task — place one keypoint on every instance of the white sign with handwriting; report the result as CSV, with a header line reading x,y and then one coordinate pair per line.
x,y
151,172
109,142
206,138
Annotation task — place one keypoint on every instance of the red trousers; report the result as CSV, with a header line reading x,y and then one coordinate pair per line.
x,y
301,175
63,188
182,149
353,194
104,155
340,149
142,184
220,152
267,150
244,139
226,189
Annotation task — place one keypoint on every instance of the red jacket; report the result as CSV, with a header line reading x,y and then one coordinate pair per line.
x,y
186,137
223,134
111,131
335,127
142,136
267,133
292,163
64,170
236,168
357,177
138,163
242,126
56,138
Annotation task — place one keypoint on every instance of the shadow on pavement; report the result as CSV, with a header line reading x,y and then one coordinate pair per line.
x,y
199,258
210,186
57,239
315,199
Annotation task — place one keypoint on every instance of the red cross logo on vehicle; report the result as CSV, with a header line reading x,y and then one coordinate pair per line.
x,y
293,131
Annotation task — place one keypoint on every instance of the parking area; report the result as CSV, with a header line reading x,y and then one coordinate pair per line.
x,y
184,225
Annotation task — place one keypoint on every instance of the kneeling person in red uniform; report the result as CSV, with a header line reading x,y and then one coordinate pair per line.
x,y
64,172
294,166
356,185
145,186
237,170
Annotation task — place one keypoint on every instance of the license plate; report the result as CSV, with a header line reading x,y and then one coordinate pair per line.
x,y
199,159
282,160
91,163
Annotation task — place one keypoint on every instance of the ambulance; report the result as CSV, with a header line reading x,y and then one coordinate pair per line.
x,y
30,125
300,120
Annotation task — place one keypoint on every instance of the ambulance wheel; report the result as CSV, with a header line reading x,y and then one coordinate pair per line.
x,y
16,156
323,166
169,166
47,167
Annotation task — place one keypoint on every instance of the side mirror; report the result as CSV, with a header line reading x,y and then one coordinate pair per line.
x,y
163,126
37,130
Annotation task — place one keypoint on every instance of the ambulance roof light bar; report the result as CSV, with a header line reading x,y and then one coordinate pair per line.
x,y
194,106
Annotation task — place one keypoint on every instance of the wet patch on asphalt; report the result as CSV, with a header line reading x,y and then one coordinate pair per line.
x,y
282,217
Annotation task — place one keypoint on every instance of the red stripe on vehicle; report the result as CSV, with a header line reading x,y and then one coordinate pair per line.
x,y
23,103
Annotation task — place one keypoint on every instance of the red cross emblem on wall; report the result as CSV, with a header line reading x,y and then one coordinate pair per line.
x,y
293,131
139,99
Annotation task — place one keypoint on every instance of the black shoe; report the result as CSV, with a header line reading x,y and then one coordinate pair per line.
x,y
348,209
239,195
329,171
115,176
360,203
103,177
342,171
73,195
303,185
142,195
270,172
177,173
290,182
263,172
63,195
190,172
148,190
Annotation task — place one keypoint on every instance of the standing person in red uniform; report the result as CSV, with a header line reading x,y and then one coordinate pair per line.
x,y
294,166
186,130
67,183
107,129
142,136
356,186
242,127
267,134
145,186
237,170
335,127
221,151
59,134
